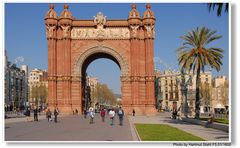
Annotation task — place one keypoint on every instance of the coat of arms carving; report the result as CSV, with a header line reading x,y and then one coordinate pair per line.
x,y
100,19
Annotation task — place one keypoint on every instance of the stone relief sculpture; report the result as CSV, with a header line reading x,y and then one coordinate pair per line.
x,y
150,30
111,33
134,30
65,30
100,20
50,31
100,33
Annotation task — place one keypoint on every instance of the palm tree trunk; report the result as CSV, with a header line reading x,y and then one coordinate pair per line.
x,y
197,101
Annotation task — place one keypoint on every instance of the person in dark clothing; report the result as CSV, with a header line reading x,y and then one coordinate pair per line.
x,y
35,114
49,115
85,113
55,114
76,111
133,112
120,115
174,113
28,114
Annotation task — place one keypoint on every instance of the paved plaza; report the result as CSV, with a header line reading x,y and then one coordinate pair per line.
x,y
70,128
76,128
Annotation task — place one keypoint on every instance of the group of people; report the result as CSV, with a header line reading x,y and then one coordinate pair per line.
x,y
49,115
103,112
112,113
35,114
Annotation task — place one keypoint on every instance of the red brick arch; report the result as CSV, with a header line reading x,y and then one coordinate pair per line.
x,y
73,44
115,56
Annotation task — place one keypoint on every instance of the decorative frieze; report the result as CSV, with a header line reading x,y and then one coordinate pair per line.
x,y
59,78
100,33
150,78
125,78
52,78
142,78
133,79
63,78
76,79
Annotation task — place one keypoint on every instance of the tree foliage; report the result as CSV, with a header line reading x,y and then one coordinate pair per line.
x,y
211,6
194,56
104,95
39,92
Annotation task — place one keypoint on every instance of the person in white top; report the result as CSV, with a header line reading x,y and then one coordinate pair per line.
x,y
111,115
91,114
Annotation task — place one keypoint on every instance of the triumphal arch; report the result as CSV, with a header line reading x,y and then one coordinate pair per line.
x,y
73,44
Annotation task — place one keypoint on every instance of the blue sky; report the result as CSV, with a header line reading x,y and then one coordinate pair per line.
x,y
25,33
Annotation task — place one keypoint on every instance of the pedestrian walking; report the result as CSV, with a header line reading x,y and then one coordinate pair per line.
x,y
85,113
91,114
49,115
35,114
103,113
76,111
120,115
174,114
28,114
111,115
133,112
56,112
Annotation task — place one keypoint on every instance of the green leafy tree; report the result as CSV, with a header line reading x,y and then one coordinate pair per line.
x,y
34,94
194,56
39,93
104,95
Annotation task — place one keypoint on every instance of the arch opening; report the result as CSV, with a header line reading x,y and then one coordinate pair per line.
x,y
101,82
86,59
94,57
97,52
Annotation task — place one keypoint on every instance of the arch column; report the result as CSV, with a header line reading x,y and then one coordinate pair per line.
x,y
76,93
126,94
149,34
64,57
51,34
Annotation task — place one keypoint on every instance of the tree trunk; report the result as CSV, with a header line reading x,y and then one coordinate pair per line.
x,y
197,101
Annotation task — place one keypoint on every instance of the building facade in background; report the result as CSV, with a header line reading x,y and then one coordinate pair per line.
x,y
92,84
16,91
220,93
168,88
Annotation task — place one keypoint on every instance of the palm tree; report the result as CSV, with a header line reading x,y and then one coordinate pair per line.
x,y
194,55
219,7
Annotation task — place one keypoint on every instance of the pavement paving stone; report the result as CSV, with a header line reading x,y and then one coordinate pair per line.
x,y
76,128
69,128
